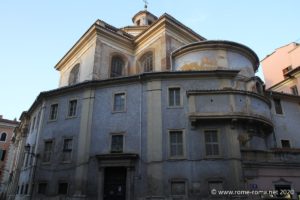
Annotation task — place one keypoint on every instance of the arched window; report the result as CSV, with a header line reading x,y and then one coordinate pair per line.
x,y
3,137
74,75
117,66
147,62
258,87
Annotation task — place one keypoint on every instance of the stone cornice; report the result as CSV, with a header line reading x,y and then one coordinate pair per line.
x,y
131,79
109,31
98,28
230,116
9,122
87,36
291,76
230,91
275,94
170,22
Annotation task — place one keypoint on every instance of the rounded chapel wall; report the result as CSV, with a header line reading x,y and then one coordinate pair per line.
x,y
215,55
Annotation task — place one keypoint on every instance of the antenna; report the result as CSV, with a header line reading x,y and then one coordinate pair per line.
x,y
146,4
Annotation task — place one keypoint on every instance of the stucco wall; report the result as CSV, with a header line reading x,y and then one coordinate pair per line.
x,y
273,64
214,60
286,125
85,57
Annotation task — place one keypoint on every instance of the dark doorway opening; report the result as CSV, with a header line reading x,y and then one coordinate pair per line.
x,y
115,183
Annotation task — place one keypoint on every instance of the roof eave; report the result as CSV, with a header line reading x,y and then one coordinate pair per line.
x,y
90,33
164,19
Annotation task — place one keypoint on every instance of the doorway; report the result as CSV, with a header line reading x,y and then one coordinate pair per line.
x,y
115,183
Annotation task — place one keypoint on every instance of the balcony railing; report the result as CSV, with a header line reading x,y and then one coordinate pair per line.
x,y
275,155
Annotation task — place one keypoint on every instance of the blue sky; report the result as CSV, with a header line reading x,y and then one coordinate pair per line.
x,y
34,35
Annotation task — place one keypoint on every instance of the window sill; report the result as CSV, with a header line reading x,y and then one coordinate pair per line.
x,y
213,157
66,162
177,158
71,117
52,120
116,152
279,115
175,107
46,163
121,111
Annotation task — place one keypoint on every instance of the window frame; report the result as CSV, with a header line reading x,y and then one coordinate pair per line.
x,y
33,126
180,97
3,154
111,140
177,157
50,112
121,57
38,118
67,150
77,65
286,70
211,181
283,187
219,143
281,107
143,58
113,102
288,142
62,182
51,151
38,187
294,90
26,189
179,180
4,138
69,107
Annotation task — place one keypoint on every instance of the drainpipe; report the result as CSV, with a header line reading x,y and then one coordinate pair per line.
x,y
141,139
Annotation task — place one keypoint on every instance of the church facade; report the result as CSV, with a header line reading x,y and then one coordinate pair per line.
x,y
156,111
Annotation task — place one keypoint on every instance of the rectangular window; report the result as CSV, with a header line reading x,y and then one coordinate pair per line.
x,y
211,143
38,119
117,143
53,112
72,108
286,70
278,108
119,102
63,188
215,185
33,124
174,97
294,90
67,150
2,154
42,188
176,144
285,144
283,191
178,188
26,189
47,151
27,157
22,188
31,155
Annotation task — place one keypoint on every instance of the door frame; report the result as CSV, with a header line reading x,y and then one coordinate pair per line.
x,y
117,160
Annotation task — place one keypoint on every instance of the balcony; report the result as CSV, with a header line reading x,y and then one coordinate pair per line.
x,y
235,106
275,156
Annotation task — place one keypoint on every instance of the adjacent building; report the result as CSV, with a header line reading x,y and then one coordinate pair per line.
x,y
282,69
156,111
6,133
